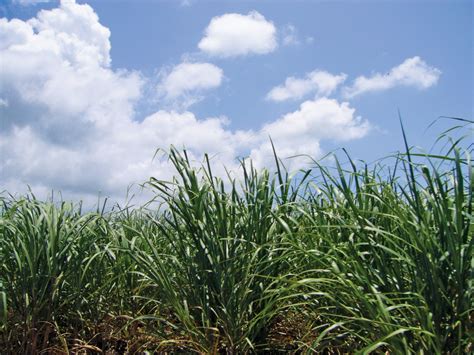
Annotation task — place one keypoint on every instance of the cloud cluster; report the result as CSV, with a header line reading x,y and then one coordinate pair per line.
x,y
70,121
63,102
412,72
319,82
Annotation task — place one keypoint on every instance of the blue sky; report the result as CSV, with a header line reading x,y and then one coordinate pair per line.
x,y
90,89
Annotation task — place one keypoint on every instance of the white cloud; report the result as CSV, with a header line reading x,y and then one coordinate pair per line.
x,y
70,123
76,30
301,131
234,34
318,81
58,65
290,35
321,118
412,72
63,100
187,78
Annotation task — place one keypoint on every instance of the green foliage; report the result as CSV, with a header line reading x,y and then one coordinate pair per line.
x,y
217,252
355,258
388,259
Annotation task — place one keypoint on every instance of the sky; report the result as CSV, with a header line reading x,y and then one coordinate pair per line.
x,y
89,90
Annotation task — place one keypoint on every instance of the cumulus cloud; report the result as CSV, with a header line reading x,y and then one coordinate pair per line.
x,y
234,34
56,77
63,99
412,72
69,120
301,131
319,82
321,118
187,79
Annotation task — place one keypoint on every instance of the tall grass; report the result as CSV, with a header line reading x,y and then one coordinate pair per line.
x,y
388,258
217,252
351,258
44,248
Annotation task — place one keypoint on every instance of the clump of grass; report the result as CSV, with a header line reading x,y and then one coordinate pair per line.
x,y
43,248
217,252
387,258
